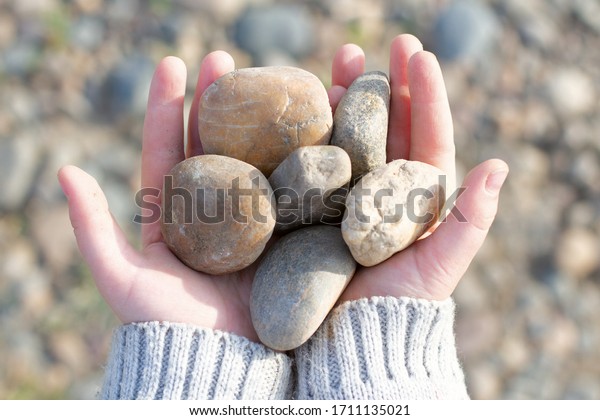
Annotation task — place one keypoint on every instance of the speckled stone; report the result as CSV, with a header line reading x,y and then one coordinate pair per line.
x,y
260,115
218,213
304,183
361,122
297,284
390,208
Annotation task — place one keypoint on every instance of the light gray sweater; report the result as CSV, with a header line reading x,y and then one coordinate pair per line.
x,y
378,348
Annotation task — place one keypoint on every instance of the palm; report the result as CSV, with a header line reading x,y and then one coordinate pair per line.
x,y
165,289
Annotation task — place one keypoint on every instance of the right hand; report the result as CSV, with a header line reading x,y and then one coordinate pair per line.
x,y
152,284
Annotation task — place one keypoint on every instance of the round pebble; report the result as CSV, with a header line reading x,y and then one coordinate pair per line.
x,y
260,115
218,213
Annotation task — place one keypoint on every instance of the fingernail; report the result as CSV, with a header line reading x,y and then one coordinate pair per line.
x,y
494,181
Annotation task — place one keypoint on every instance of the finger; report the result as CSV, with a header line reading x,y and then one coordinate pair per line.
x,y
348,64
214,65
432,136
399,129
335,94
100,240
162,146
444,256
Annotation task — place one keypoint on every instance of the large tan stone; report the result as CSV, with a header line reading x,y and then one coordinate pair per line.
x,y
260,115
218,213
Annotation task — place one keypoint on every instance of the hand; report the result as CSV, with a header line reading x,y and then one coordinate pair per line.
x,y
153,285
420,129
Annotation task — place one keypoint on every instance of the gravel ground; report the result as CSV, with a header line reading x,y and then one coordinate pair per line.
x,y
523,78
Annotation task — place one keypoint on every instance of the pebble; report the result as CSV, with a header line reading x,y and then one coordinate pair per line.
x,y
295,287
19,58
483,381
361,122
281,28
8,29
304,182
465,30
51,229
586,170
571,91
577,252
376,227
235,220
514,353
587,11
19,160
260,115
125,89
87,32
70,348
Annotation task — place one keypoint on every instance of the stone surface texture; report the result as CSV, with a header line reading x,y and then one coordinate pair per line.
x,y
226,218
361,122
390,208
304,183
261,114
295,286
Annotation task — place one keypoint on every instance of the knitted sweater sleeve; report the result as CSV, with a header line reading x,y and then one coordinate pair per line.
x,y
161,360
383,348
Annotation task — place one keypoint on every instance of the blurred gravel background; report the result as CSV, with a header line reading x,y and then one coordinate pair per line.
x,y
524,81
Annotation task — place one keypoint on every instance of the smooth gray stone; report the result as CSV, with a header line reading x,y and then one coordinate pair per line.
x,y
360,122
297,284
305,182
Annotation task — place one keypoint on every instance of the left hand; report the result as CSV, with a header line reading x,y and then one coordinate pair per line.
x,y
420,128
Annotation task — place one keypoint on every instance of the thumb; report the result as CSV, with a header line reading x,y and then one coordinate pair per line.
x,y
445,255
101,241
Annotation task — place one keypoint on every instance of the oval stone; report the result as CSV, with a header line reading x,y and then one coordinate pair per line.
x,y
390,208
305,182
260,115
361,122
218,213
297,284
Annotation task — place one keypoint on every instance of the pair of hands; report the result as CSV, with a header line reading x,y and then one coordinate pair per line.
x,y
153,285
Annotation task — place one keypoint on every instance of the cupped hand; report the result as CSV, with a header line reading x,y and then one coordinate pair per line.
x,y
152,284
420,128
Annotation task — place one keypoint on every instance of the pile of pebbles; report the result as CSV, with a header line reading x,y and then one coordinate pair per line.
x,y
276,122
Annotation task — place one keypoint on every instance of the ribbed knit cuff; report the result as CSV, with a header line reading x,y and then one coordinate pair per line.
x,y
383,348
160,360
